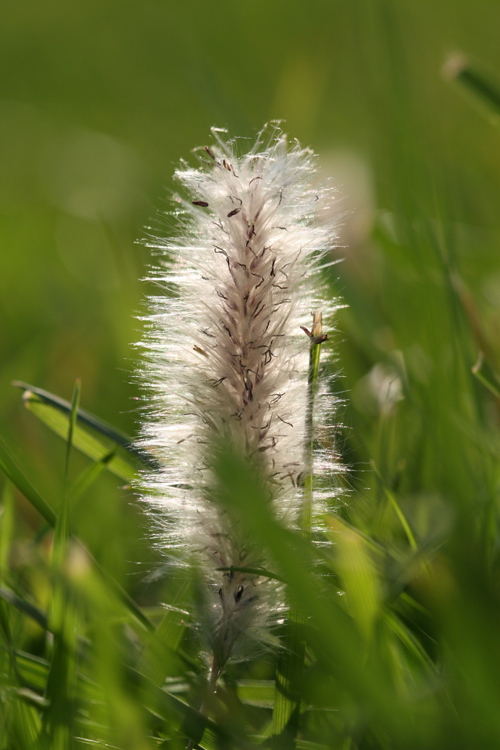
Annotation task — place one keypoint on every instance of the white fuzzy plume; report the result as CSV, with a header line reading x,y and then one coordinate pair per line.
x,y
226,357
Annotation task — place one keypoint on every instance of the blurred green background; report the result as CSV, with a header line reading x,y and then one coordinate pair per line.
x,y
98,103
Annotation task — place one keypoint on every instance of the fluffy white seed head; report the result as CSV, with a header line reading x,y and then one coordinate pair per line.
x,y
226,358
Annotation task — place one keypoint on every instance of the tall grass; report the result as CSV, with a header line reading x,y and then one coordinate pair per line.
x,y
401,602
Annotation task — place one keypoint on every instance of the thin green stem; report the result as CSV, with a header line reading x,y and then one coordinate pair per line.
x,y
290,670
316,338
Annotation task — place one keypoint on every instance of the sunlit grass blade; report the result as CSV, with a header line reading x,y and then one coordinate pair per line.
x,y
124,465
73,415
32,699
481,88
61,683
359,579
256,692
84,418
336,522
484,372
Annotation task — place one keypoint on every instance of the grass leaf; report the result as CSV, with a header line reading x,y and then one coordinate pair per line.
x,y
484,372
19,479
55,413
483,90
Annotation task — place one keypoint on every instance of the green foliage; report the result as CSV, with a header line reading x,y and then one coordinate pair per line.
x,y
398,607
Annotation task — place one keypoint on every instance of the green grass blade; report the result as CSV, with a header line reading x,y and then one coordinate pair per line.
x,y
240,493
92,446
163,703
60,691
19,479
359,580
316,339
484,372
61,683
33,670
157,657
85,418
71,431
290,667
408,639
256,692
32,699
6,528
483,91
23,606
80,487
286,709
397,509
19,723
88,477
23,728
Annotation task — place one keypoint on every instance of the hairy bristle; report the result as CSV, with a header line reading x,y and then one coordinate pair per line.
x,y
225,357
